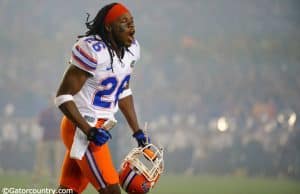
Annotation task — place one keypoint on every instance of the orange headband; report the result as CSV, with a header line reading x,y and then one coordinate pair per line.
x,y
115,12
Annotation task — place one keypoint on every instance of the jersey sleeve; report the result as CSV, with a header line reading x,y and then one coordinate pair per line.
x,y
137,51
84,57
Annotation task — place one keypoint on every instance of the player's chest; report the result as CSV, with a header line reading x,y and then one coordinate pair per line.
x,y
112,76
118,67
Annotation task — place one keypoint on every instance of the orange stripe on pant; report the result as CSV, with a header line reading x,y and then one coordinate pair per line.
x,y
96,167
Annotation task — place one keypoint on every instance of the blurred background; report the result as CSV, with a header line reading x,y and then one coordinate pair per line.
x,y
218,83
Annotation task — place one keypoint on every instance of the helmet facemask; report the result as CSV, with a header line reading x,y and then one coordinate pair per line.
x,y
146,163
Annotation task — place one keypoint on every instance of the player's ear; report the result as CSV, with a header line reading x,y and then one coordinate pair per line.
x,y
108,28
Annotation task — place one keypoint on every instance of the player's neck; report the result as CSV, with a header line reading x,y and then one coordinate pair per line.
x,y
119,50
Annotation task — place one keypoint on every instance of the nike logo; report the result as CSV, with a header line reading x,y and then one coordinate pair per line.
x,y
108,68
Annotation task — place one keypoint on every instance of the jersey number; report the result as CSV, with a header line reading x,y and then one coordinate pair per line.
x,y
98,45
110,84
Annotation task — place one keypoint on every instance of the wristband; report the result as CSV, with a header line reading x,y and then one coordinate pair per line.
x,y
125,93
59,100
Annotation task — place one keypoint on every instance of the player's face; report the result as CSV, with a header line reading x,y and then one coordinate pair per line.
x,y
123,30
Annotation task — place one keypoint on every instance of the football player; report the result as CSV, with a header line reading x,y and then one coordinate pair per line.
x,y
93,87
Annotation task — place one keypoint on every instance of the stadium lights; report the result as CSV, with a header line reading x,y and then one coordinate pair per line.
x,y
292,119
287,119
280,118
222,124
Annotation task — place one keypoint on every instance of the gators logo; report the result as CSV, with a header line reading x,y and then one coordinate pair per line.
x,y
146,187
132,64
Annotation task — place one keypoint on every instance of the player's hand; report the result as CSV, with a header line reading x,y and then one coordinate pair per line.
x,y
141,138
98,135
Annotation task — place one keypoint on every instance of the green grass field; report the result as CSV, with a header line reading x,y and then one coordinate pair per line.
x,y
176,184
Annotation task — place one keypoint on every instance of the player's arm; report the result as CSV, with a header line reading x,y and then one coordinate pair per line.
x,y
72,82
126,105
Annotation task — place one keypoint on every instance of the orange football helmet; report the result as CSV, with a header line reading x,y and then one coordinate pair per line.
x,y
141,169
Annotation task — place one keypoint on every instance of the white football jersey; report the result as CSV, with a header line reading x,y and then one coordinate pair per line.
x,y
98,98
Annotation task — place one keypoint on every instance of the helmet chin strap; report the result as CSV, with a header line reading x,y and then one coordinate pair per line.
x,y
146,132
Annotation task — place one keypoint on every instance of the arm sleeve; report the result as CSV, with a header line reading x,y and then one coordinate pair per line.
x,y
135,50
84,57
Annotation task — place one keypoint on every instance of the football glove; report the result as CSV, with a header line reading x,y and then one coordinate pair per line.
x,y
98,135
141,138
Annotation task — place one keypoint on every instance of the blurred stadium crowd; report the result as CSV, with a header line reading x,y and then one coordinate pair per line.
x,y
218,81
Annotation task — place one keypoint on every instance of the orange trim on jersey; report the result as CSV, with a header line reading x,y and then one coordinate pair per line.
x,y
82,64
85,54
115,12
